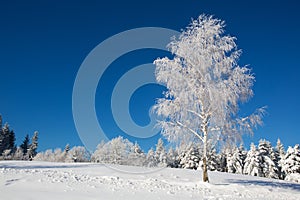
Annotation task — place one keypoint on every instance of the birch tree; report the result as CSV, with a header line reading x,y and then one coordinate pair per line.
x,y
205,86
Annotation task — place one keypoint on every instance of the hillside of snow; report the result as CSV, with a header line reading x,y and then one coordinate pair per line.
x,y
85,181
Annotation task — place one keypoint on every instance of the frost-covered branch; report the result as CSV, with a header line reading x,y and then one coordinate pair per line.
x,y
191,130
197,114
253,120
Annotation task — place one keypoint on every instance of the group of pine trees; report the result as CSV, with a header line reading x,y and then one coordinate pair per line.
x,y
8,148
262,160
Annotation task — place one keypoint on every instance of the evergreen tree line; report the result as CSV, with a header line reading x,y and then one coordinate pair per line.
x,y
8,148
262,160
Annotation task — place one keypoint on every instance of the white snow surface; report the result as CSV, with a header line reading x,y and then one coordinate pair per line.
x,y
84,181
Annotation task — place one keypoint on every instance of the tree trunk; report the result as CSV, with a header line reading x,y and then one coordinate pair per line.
x,y
204,169
204,129
205,174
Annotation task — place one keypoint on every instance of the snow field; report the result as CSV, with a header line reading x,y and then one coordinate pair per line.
x,y
44,180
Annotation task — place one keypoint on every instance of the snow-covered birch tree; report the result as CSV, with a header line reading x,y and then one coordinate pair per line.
x,y
205,86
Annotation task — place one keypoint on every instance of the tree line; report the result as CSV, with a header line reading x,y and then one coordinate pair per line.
x,y
8,148
263,160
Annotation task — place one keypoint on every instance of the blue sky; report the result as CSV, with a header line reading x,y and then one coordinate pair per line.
x,y
42,45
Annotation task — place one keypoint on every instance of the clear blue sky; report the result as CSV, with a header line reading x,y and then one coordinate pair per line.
x,y
43,43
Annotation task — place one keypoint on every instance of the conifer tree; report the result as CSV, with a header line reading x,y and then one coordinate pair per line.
x,y
150,159
281,154
160,153
7,140
291,162
4,138
253,162
32,151
11,141
25,145
136,155
190,159
172,158
268,166
212,159
231,161
222,164
67,148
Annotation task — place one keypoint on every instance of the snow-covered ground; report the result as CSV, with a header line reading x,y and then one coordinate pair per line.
x,y
84,181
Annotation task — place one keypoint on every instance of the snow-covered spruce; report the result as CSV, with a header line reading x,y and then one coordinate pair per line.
x,y
253,162
291,164
236,160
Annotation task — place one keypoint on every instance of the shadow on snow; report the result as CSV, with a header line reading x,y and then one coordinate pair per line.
x,y
278,184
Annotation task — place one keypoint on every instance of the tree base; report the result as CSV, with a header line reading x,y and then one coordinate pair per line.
x,y
205,174
205,177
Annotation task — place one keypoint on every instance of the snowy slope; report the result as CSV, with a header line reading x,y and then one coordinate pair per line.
x,y
84,181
